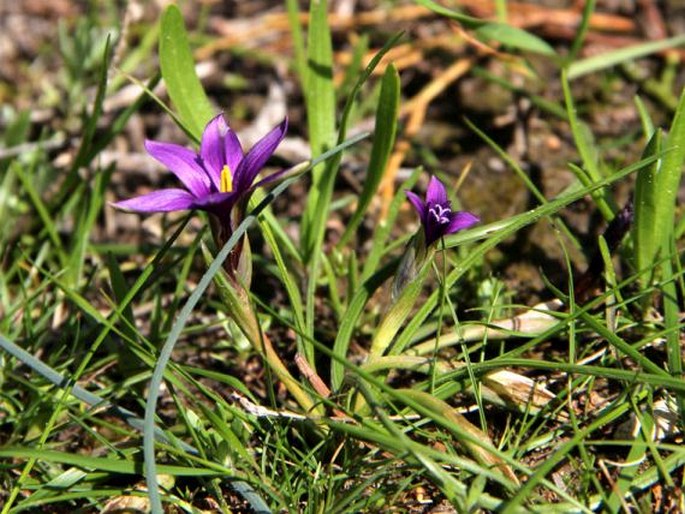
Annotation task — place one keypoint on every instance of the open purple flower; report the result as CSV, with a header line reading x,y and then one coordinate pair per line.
x,y
437,217
216,179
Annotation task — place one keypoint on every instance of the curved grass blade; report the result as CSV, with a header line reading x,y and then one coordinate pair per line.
x,y
178,70
124,467
646,232
607,60
514,37
467,21
582,136
383,141
320,100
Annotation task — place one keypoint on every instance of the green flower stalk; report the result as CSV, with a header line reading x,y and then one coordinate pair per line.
x,y
220,179
437,220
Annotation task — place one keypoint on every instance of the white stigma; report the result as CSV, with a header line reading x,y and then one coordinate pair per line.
x,y
440,213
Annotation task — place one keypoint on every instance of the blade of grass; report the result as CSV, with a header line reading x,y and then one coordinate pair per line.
x,y
583,139
84,155
582,30
514,37
607,60
41,209
320,104
647,230
668,181
383,141
297,38
90,208
108,464
178,70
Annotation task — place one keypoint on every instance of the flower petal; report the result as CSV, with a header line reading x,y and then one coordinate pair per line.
x,y
418,204
183,163
461,221
219,146
256,158
270,178
163,200
436,192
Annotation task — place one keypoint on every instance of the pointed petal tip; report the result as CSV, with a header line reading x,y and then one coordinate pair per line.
x,y
436,192
461,221
258,155
162,200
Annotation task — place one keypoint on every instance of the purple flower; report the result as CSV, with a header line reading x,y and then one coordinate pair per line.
x,y
437,217
216,179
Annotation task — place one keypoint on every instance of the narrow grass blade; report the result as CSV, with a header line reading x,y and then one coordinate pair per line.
x,y
647,230
607,60
467,21
42,210
320,102
90,207
383,142
514,37
667,182
113,465
500,32
582,30
178,70
670,173
84,153
590,173
297,38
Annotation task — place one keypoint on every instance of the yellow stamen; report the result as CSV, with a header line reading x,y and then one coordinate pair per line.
x,y
226,179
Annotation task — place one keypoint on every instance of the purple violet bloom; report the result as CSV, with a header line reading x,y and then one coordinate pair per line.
x,y
216,179
437,217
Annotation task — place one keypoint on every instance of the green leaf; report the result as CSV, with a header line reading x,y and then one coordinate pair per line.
x,y
467,21
670,172
383,142
590,172
113,465
667,184
320,100
178,70
514,37
609,59
647,227
407,286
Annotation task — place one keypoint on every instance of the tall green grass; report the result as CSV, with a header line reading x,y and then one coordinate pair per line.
x,y
122,378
